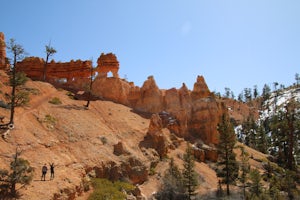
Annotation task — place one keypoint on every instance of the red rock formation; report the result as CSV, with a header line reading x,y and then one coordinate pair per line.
x,y
205,113
3,64
108,63
151,99
155,138
113,89
196,112
59,72
130,168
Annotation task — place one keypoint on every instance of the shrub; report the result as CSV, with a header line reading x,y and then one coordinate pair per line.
x,y
49,121
103,140
55,101
70,95
105,189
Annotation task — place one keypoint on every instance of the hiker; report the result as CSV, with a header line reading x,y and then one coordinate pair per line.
x,y
44,172
51,171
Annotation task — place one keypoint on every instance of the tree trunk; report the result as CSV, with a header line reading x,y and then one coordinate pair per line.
x,y
45,68
13,93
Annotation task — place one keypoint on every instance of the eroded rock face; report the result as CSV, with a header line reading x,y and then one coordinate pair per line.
x,y
119,149
73,74
113,89
3,65
196,112
205,113
150,99
56,72
155,138
108,63
130,168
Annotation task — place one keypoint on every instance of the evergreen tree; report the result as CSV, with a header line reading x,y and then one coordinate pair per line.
x,y
247,94
262,142
50,51
227,92
266,92
17,53
255,92
245,169
255,184
190,177
228,171
284,126
20,173
249,131
172,187
297,78
240,97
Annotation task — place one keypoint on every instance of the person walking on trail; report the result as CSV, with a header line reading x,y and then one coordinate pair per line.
x,y
51,171
44,172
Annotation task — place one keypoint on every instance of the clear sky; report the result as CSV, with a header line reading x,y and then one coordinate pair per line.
x,y
232,43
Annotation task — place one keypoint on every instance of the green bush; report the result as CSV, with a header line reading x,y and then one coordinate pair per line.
x,y
70,94
105,189
55,101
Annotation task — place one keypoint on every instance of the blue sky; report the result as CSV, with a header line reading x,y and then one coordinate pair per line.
x,y
232,43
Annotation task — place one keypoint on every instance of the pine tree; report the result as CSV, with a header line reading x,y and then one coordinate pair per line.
x,y
245,169
262,143
172,186
20,173
228,171
17,53
255,183
285,134
189,175
266,92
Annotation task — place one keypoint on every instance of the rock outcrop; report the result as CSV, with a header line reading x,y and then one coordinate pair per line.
x,y
108,63
131,168
205,113
74,73
3,64
155,138
150,98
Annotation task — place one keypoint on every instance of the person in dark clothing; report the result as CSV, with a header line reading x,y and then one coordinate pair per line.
x,y
44,172
51,171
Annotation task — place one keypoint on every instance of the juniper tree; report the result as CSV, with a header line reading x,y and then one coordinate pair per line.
x,y
228,166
